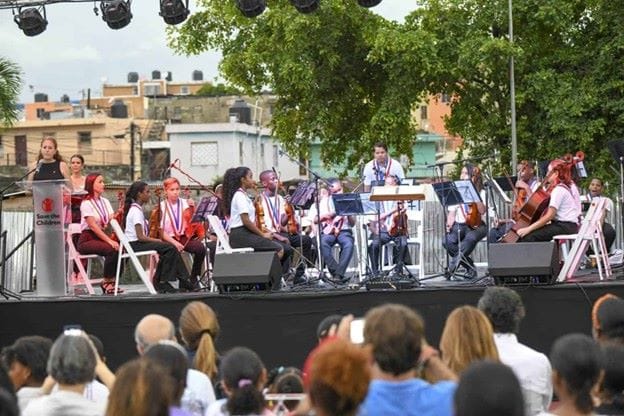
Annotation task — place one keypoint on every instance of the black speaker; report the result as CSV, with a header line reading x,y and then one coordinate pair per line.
x,y
524,263
247,271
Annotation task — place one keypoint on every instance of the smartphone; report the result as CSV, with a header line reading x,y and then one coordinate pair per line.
x,y
357,331
73,330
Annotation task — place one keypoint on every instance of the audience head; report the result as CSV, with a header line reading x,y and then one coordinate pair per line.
x,y
26,361
576,363
325,325
612,386
467,337
6,384
72,360
339,378
141,388
488,388
99,347
503,307
8,403
608,319
151,329
172,357
285,380
199,328
243,376
395,334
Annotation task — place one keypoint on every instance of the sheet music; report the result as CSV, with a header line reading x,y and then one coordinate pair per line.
x,y
467,191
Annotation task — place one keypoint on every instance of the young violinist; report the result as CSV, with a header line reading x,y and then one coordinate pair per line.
x,y
95,214
276,219
243,229
176,229
564,207
526,184
391,228
595,191
170,264
335,229
465,226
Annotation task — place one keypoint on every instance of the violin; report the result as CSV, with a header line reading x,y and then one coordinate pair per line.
x,y
155,218
291,225
399,222
193,229
260,215
473,216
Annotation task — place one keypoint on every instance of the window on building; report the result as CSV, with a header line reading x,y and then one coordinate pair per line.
x,y
177,115
445,98
204,154
423,112
151,90
135,90
21,151
185,90
41,113
84,143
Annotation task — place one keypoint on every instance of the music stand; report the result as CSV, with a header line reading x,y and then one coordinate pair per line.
x,y
303,196
448,194
502,185
207,206
348,204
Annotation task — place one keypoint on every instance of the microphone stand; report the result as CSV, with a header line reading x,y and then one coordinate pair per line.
x,y
317,178
3,291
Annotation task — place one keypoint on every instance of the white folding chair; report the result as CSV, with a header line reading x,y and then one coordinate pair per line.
x,y
74,257
418,215
223,241
124,245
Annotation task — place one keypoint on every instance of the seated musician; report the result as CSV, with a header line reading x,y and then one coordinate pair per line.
x,y
526,184
236,203
465,227
595,191
388,230
176,229
335,229
276,220
564,207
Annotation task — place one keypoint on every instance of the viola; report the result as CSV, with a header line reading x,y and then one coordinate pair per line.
x,y
291,225
260,215
399,222
155,218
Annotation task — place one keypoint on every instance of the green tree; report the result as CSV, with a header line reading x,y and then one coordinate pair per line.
x,y
10,84
330,82
219,90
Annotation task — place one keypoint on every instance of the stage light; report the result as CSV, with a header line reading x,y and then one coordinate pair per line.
x,y
368,3
173,11
116,13
251,8
30,21
306,6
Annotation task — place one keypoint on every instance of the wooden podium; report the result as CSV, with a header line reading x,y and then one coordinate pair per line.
x,y
397,193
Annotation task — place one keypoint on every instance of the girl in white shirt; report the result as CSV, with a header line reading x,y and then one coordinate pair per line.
x,y
170,264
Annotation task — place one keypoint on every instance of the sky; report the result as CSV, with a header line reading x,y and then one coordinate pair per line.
x,y
79,51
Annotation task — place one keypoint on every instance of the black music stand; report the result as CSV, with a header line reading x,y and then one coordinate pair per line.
x,y
303,196
617,151
448,194
348,204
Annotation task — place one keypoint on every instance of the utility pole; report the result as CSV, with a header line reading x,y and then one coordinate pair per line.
x,y
132,161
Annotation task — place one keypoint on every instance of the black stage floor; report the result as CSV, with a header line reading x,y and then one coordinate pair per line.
x,y
281,326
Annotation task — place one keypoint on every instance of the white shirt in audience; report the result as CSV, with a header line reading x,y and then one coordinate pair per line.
x,y
532,369
66,403
198,394
26,394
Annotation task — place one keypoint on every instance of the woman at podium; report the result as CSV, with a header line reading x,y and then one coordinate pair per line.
x,y
465,225
49,165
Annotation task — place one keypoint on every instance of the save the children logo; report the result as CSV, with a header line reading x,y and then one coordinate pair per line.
x,y
47,205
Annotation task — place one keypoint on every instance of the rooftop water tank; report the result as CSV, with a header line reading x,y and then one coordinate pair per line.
x,y
242,111
119,109
133,77
41,97
156,74
198,75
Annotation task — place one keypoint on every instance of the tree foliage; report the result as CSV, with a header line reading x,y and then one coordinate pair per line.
x,y
10,83
219,90
348,77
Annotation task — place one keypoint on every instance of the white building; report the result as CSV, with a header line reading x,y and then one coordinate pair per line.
x,y
206,151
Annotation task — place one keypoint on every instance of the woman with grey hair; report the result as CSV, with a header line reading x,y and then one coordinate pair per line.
x,y
72,365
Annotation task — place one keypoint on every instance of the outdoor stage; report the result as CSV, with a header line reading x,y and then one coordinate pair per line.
x,y
281,326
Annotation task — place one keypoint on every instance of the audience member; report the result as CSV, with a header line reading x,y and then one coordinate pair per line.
x,y
576,362
199,328
488,388
171,356
243,376
8,403
323,328
199,392
26,362
6,385
467,337
396,336
608,319
339,378
141,389
611,391
503,307
72,365
285,380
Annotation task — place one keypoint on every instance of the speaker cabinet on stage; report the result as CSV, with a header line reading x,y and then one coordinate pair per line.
x,y
524,263
247,271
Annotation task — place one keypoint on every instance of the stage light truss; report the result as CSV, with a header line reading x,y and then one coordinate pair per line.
x,y
16,4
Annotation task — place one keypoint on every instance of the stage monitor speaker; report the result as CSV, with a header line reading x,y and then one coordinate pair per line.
x,y
247,271
524,263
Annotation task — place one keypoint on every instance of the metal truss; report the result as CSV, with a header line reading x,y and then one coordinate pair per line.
x,y
16,4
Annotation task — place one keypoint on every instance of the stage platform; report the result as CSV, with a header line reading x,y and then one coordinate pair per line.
x,y
281,326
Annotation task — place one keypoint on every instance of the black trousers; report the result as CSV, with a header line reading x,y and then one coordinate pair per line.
x,y
170,264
